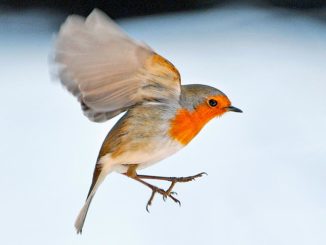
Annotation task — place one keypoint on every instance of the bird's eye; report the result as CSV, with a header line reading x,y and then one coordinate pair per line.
x,y
212,102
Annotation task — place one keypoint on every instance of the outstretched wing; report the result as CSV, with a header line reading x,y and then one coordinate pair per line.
x,y
108,71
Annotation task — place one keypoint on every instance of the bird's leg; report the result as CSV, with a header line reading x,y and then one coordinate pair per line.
x,y
173,180
156,190
132,174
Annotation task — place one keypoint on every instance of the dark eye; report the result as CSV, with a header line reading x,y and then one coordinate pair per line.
x,y
212,103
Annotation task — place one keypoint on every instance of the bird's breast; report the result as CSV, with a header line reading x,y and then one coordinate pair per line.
x,y
187,124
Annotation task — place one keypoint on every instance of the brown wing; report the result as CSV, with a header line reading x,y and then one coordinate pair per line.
x,y
108,71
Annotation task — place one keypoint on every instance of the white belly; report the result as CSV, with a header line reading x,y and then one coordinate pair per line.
x,y
149,155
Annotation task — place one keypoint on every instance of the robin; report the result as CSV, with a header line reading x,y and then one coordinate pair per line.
x,y
110,73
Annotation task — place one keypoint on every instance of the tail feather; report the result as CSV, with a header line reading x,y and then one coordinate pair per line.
x,y
79,223
98,177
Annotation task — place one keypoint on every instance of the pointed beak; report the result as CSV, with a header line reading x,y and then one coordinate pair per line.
x,y
234,109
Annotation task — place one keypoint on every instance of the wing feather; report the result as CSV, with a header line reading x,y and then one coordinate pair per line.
x,y
108,71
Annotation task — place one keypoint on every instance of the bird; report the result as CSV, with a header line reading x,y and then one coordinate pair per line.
x,y
110,74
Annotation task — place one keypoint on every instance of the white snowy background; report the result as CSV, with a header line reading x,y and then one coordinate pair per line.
x,y
266,168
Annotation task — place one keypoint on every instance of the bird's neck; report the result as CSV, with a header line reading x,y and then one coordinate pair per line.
x,y
187,124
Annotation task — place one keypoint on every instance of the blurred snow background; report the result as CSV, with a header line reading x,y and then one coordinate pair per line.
x,y
266,167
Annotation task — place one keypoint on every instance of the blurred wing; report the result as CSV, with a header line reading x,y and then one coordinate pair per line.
x,y
108,71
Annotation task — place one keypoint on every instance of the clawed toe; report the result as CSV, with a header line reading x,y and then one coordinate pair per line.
x,y
175,200
190,178
200,174
164,194
170,194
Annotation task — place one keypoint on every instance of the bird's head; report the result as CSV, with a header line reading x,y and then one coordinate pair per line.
x,y
200,104
206,101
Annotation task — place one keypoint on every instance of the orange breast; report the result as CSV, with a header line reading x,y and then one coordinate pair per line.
x,y
186,125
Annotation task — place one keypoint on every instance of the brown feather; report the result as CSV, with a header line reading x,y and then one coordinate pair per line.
x,y
108,71
96,174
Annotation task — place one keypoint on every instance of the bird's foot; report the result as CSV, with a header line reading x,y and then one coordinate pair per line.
x,y
168,192
165,195
175,180
185,179
172,179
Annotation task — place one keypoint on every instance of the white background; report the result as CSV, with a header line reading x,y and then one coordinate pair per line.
x,y
266,167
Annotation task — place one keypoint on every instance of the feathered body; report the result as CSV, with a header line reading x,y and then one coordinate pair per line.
x,y
154,138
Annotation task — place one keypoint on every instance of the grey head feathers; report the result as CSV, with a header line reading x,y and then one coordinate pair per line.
x,y
194,94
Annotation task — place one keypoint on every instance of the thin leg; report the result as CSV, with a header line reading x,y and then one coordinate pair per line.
x,y
173,180
155,190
